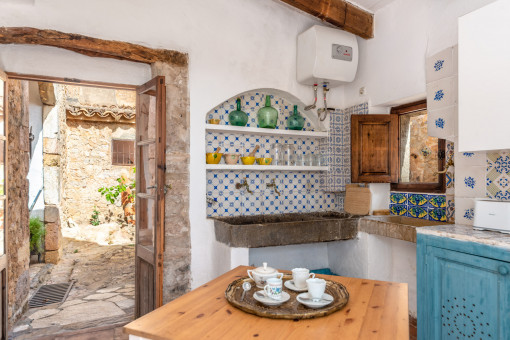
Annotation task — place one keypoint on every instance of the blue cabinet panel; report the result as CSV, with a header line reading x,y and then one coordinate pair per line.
x,y
460,295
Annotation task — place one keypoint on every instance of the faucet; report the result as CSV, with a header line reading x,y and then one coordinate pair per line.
x,y
273,185
245,185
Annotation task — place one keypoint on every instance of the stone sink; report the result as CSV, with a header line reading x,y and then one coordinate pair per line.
x,y
278,230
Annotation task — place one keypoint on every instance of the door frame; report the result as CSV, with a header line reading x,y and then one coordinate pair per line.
x,y
4,263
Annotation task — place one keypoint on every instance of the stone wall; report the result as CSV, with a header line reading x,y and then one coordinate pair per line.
x,y
18,233
89,166
177,257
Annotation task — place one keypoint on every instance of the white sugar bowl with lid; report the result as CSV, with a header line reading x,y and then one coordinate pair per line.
x,y
261,274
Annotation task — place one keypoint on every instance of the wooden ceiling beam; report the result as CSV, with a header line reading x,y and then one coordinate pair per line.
x,y
89,46
339,13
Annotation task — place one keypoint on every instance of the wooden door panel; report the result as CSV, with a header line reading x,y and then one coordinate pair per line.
x,y
150,195
374,148
3,206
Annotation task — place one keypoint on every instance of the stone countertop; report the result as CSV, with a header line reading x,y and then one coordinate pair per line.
x,y
467,233
397,227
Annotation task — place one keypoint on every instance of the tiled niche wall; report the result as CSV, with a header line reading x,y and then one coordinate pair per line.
x,y
433,207
339,148
299,191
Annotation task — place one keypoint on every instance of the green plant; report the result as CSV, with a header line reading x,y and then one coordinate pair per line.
x,y
37,232
94,219
112,193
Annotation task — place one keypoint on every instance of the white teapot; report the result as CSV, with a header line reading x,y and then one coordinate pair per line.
x,y
261,274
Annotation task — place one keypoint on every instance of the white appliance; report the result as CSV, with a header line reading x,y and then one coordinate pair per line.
x,y
326,54
492,215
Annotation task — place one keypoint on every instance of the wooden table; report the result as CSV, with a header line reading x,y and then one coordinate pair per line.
x,y
376,310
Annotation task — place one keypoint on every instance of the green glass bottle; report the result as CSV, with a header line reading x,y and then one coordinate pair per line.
x,y
238,117
268,116
295,121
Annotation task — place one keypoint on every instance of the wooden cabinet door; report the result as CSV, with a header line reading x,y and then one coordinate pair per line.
x,y
374,148
150,195
463,296
3,205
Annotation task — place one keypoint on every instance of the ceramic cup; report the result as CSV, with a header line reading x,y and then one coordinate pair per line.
x,y
300,275
316,288
273,288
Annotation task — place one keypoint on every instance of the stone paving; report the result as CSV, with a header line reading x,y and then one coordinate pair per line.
x,y
102,294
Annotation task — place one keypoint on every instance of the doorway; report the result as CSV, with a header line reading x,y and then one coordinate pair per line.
x,y
82,209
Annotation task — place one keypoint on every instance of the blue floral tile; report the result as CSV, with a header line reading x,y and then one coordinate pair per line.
x,y
498,175
398,209
438,214
398,197
417,199
418,212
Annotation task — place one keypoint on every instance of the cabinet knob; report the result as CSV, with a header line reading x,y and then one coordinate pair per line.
x,y
503,270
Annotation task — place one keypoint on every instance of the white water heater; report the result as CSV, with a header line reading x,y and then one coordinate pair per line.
x,y
326,54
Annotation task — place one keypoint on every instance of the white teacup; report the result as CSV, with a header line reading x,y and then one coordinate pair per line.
x,y
273,288
316,288
300,275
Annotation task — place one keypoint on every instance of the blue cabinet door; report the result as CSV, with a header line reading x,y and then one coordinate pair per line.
x,y
463,296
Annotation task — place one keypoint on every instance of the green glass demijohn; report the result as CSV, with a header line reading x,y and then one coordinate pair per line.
x,y
238,117
295,121
268,116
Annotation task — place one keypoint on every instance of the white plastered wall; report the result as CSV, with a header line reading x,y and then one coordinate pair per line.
x,y
233,46
392,64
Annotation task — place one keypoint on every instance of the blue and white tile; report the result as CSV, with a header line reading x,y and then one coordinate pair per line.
x,y
442,123
464,210
470,182
442,93
498,175
441,65
470,158
450,208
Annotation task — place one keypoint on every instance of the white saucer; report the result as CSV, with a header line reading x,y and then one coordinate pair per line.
x,y
271,302
312,304
290,284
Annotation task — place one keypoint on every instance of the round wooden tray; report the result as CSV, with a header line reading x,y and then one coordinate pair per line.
x,y
291,309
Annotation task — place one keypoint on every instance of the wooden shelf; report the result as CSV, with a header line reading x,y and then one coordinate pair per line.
x,y
264,132
265,167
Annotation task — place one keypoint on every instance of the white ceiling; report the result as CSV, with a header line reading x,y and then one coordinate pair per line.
x,y
371,5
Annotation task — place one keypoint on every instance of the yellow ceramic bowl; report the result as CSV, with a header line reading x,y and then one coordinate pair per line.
x,y
248,160
214,121
264,161
213,157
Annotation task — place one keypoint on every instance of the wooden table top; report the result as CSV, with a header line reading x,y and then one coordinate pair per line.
x,y
376,310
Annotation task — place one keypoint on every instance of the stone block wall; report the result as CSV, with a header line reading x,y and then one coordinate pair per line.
x,y
17,225
177,256
88,166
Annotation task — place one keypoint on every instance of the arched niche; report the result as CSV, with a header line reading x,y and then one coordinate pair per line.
x,y
253,100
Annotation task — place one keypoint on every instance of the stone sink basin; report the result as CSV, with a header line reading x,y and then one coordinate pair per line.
x,y
278,230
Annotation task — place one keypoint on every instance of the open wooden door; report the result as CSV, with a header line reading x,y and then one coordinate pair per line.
x,y
3,205
150,195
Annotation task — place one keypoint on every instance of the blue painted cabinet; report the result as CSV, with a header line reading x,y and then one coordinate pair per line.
x,y
463,290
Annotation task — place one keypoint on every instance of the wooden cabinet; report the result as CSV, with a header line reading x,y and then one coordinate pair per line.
x,y
462,293
374,150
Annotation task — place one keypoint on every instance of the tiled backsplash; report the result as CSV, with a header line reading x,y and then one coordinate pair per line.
x,y
300,191
480,175
423,206
339,148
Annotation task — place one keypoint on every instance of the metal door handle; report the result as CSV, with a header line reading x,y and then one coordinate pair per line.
x,y
151,187
503,270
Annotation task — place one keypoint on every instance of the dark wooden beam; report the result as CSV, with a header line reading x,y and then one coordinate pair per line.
x,y
339,13
89,46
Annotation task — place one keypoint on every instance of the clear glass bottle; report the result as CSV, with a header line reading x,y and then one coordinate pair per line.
x,y
277,153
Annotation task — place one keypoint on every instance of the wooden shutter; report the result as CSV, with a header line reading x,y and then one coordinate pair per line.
x,y
374,144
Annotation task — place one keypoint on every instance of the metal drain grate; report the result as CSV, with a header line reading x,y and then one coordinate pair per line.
x,y
48,294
